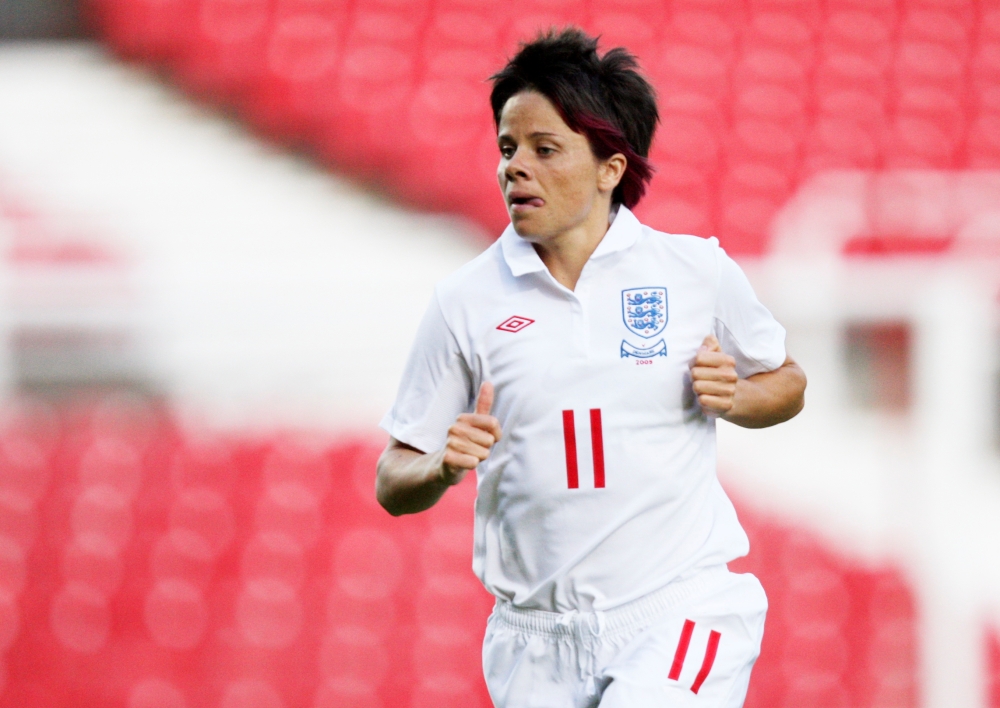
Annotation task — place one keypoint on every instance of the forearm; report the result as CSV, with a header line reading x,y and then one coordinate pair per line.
x,y
409,481
769,398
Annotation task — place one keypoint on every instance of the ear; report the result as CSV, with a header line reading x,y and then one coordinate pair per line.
x,y
610,172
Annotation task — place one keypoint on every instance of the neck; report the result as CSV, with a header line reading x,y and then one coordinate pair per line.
x,y
566,253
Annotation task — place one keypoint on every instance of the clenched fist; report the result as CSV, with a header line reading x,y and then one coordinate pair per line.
x,y
470,438
713,377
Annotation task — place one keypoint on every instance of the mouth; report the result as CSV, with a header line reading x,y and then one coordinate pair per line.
x,y
520,202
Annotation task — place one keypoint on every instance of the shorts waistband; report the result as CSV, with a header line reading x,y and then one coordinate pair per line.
x,y
631,616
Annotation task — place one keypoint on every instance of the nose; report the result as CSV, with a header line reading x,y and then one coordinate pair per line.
x,y
516,167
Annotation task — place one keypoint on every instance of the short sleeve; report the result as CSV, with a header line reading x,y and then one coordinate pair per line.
x,y
436,386
746,330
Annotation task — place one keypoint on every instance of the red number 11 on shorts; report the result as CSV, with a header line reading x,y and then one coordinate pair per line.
x,y
596,447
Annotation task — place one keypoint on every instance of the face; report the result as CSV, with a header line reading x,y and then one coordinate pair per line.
x,y
549,176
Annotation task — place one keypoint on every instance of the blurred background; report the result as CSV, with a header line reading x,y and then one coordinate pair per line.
x,y
220,222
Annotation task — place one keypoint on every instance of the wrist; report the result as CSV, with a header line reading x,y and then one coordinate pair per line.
x,y
444,475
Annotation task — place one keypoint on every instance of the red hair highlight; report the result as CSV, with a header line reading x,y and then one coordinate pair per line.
x,y
606,140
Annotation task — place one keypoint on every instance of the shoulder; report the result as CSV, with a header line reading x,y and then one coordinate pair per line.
x,y
474,288
479,274
696,251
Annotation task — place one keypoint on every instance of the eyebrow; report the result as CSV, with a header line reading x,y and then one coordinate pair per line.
x,y
536,134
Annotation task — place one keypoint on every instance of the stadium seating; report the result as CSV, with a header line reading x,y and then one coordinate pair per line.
x,y
250,572
393,92
260,572
993,666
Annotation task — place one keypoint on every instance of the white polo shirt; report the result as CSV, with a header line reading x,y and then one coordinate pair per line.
x,y
603,487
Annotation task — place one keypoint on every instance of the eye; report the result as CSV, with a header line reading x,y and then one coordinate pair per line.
x,y
545,150
507,151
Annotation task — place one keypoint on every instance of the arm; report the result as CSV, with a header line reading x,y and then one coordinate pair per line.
x,y
759,401
409,481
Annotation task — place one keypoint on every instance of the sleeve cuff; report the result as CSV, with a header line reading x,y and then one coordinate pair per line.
x,y
410,435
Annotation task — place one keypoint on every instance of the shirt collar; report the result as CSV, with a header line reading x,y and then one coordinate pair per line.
x,y
521,256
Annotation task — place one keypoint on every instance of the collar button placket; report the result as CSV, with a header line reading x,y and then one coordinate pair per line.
x,y
580,329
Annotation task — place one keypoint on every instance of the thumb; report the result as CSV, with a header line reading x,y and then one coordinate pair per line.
x,y
711,344
485,401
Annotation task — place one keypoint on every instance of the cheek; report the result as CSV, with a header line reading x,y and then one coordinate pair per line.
x,y
576,186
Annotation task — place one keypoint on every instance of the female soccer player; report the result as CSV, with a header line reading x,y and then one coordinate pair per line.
x,y
604,351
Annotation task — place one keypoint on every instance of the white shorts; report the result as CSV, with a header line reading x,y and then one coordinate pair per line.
x,y
692,643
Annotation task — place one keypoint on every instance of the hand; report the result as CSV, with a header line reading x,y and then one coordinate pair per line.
x,y
470,438
713,378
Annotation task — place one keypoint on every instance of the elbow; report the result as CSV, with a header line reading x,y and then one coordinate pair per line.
x,y
387,502
800,403
383,493
798,399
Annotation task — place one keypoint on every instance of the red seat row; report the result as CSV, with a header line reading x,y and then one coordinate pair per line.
x,y
142,566
394,93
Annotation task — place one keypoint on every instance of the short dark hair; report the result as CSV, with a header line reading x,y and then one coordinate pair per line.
x,y
604,98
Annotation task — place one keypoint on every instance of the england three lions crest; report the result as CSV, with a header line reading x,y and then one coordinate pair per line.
x,y
645,311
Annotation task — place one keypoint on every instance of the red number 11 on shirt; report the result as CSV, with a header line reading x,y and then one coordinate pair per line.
x,y
596,445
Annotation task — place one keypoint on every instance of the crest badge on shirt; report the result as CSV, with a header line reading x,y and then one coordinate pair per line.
x,y
645,313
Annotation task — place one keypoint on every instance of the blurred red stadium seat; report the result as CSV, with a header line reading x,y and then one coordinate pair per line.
x,y
771,102
712,112
841,143
984,141
535,17
224,54
156,693
639,33
773,142
691,68
810,11
862,33
495,8
681,180
942,108
714,31
855,72
478,31
993,667
397,25
784,32
928,62
887,9
989,24
673,214
769,66
920,143
744,224
754,180
375,86
151,30
856,107
986,77
939,27
686,140
295,90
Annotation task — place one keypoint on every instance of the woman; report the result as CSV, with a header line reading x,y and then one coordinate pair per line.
x,y
603,350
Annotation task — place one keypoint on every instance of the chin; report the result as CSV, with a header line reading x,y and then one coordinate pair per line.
x,y
526,226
